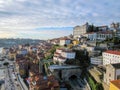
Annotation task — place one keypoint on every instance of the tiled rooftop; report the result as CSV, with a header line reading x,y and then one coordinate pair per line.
x,y
113,52
116,83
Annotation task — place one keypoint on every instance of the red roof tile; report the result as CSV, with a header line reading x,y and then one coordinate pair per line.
x,y
113,52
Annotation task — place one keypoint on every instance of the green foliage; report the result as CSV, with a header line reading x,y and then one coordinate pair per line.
x,y
115,40
82,58
99,86
91,83
94,85
70,61
51,51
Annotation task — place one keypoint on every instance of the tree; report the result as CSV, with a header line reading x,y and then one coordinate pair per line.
x,y
115,40
91,28
99,86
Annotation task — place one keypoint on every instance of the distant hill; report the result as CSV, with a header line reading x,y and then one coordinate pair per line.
x,y
11,42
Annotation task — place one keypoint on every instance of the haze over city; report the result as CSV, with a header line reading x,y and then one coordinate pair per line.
x,y
44,19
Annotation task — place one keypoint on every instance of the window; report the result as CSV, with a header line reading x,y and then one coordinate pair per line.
x,y
118,77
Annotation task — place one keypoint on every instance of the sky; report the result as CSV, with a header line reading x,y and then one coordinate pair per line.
x,y
45,19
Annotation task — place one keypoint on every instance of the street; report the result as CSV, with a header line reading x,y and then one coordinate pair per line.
x,y
10,79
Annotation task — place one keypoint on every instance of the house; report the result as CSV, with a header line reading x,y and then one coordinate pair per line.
x,y
65,41
61,55
101,35
111,57
75,42
40,82
112,73
115,85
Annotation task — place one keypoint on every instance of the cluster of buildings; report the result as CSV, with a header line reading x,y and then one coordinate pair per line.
x,y
97,33
109,60
63,54
27,59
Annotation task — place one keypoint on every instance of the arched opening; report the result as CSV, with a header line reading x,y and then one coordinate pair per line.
x,y
73,77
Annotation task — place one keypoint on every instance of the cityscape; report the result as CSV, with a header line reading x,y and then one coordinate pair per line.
x,y
59,45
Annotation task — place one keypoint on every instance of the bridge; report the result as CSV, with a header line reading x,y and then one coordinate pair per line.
x,y
64,72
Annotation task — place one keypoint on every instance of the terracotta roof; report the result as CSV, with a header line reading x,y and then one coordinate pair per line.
x,y
44,84
90,32
116,83
64,39
60,49
105,32
113,52
62,57
68,51
57,53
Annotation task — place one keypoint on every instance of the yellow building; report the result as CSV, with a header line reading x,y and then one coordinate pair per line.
x,y
75,42
115,85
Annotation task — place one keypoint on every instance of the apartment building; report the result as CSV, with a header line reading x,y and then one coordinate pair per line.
x,y
65,41
111,57
61,55
101,35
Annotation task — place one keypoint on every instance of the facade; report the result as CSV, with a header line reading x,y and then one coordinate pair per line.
x,y
112,73
65,41
111,57
115,85
75,42
102,35
61,55
96,60
80,30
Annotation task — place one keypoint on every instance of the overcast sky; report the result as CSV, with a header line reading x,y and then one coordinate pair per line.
x,y
36,18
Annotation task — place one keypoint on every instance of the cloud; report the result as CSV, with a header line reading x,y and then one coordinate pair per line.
x,y
31,14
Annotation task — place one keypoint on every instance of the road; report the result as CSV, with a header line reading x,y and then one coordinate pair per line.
x,y
78,84
11,81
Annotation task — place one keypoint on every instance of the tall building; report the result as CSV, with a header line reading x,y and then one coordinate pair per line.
x,y
80,30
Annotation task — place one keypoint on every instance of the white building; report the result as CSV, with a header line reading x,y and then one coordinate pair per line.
x,y
65,41
111,57
96,60
112,73
68,54
61,55
99,35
